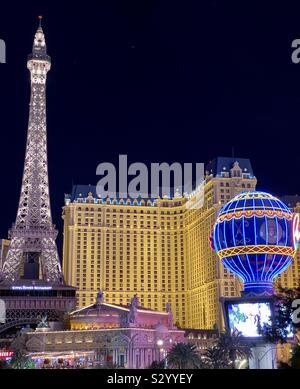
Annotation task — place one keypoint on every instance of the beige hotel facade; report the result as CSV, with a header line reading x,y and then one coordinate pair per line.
x,y
159,249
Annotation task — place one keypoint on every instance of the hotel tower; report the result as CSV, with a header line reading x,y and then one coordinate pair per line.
x,y
158,249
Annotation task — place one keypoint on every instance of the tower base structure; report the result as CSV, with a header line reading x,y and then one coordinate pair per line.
x,y
264,356
28,302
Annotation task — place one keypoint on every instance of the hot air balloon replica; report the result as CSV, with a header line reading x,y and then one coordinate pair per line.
x,y
255,238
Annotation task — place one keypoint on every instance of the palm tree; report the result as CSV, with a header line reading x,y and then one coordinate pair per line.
x,y
234,346
157,365
183,356
214,358
4,364
295,359
21,361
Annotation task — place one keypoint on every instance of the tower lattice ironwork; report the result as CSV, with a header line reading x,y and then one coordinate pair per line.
x,y
33,234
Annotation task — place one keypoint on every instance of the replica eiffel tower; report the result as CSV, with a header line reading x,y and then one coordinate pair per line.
x,y
32,263
32,249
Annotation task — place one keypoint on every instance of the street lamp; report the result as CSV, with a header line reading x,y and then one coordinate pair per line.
x,y
243,363
160,344
264,354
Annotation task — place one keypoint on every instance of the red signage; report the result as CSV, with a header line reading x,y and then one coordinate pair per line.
x,y
6,354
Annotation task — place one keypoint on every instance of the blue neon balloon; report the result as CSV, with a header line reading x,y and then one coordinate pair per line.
x,y
254,238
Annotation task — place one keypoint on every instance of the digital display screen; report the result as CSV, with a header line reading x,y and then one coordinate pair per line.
x,y
244,317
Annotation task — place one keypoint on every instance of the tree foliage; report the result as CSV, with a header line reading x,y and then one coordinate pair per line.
x,y
157,365
230,348
183,356
4,364
21,361
214,358
295,359
282,322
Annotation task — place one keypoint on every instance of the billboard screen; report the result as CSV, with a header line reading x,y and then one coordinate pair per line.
x,y
244,317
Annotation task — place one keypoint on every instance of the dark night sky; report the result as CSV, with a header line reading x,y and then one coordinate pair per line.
x,y
157,80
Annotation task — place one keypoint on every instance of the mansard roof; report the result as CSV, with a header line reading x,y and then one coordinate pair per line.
x,y
224,164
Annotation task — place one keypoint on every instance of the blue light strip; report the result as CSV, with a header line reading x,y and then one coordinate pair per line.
x,y
233,270
247,256
277,241
224,233
255,240
258,285
281,205
288,261
234,244
279,264
217,243
286,233
274,273
267,241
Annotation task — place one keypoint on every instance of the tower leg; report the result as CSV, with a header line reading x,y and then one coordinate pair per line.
x,y
51,269
14,259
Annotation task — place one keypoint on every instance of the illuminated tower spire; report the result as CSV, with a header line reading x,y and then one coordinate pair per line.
x,y
32,252
39,48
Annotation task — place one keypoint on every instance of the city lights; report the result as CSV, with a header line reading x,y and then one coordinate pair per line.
x,y
164,265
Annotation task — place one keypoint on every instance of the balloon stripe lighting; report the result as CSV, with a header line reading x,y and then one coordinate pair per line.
x,y
248,261
258,213
267,237
296,231
256,237
258,249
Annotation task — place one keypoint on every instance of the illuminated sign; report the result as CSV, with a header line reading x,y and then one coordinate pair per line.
x,y
32,287
245,317
6,354
256,237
